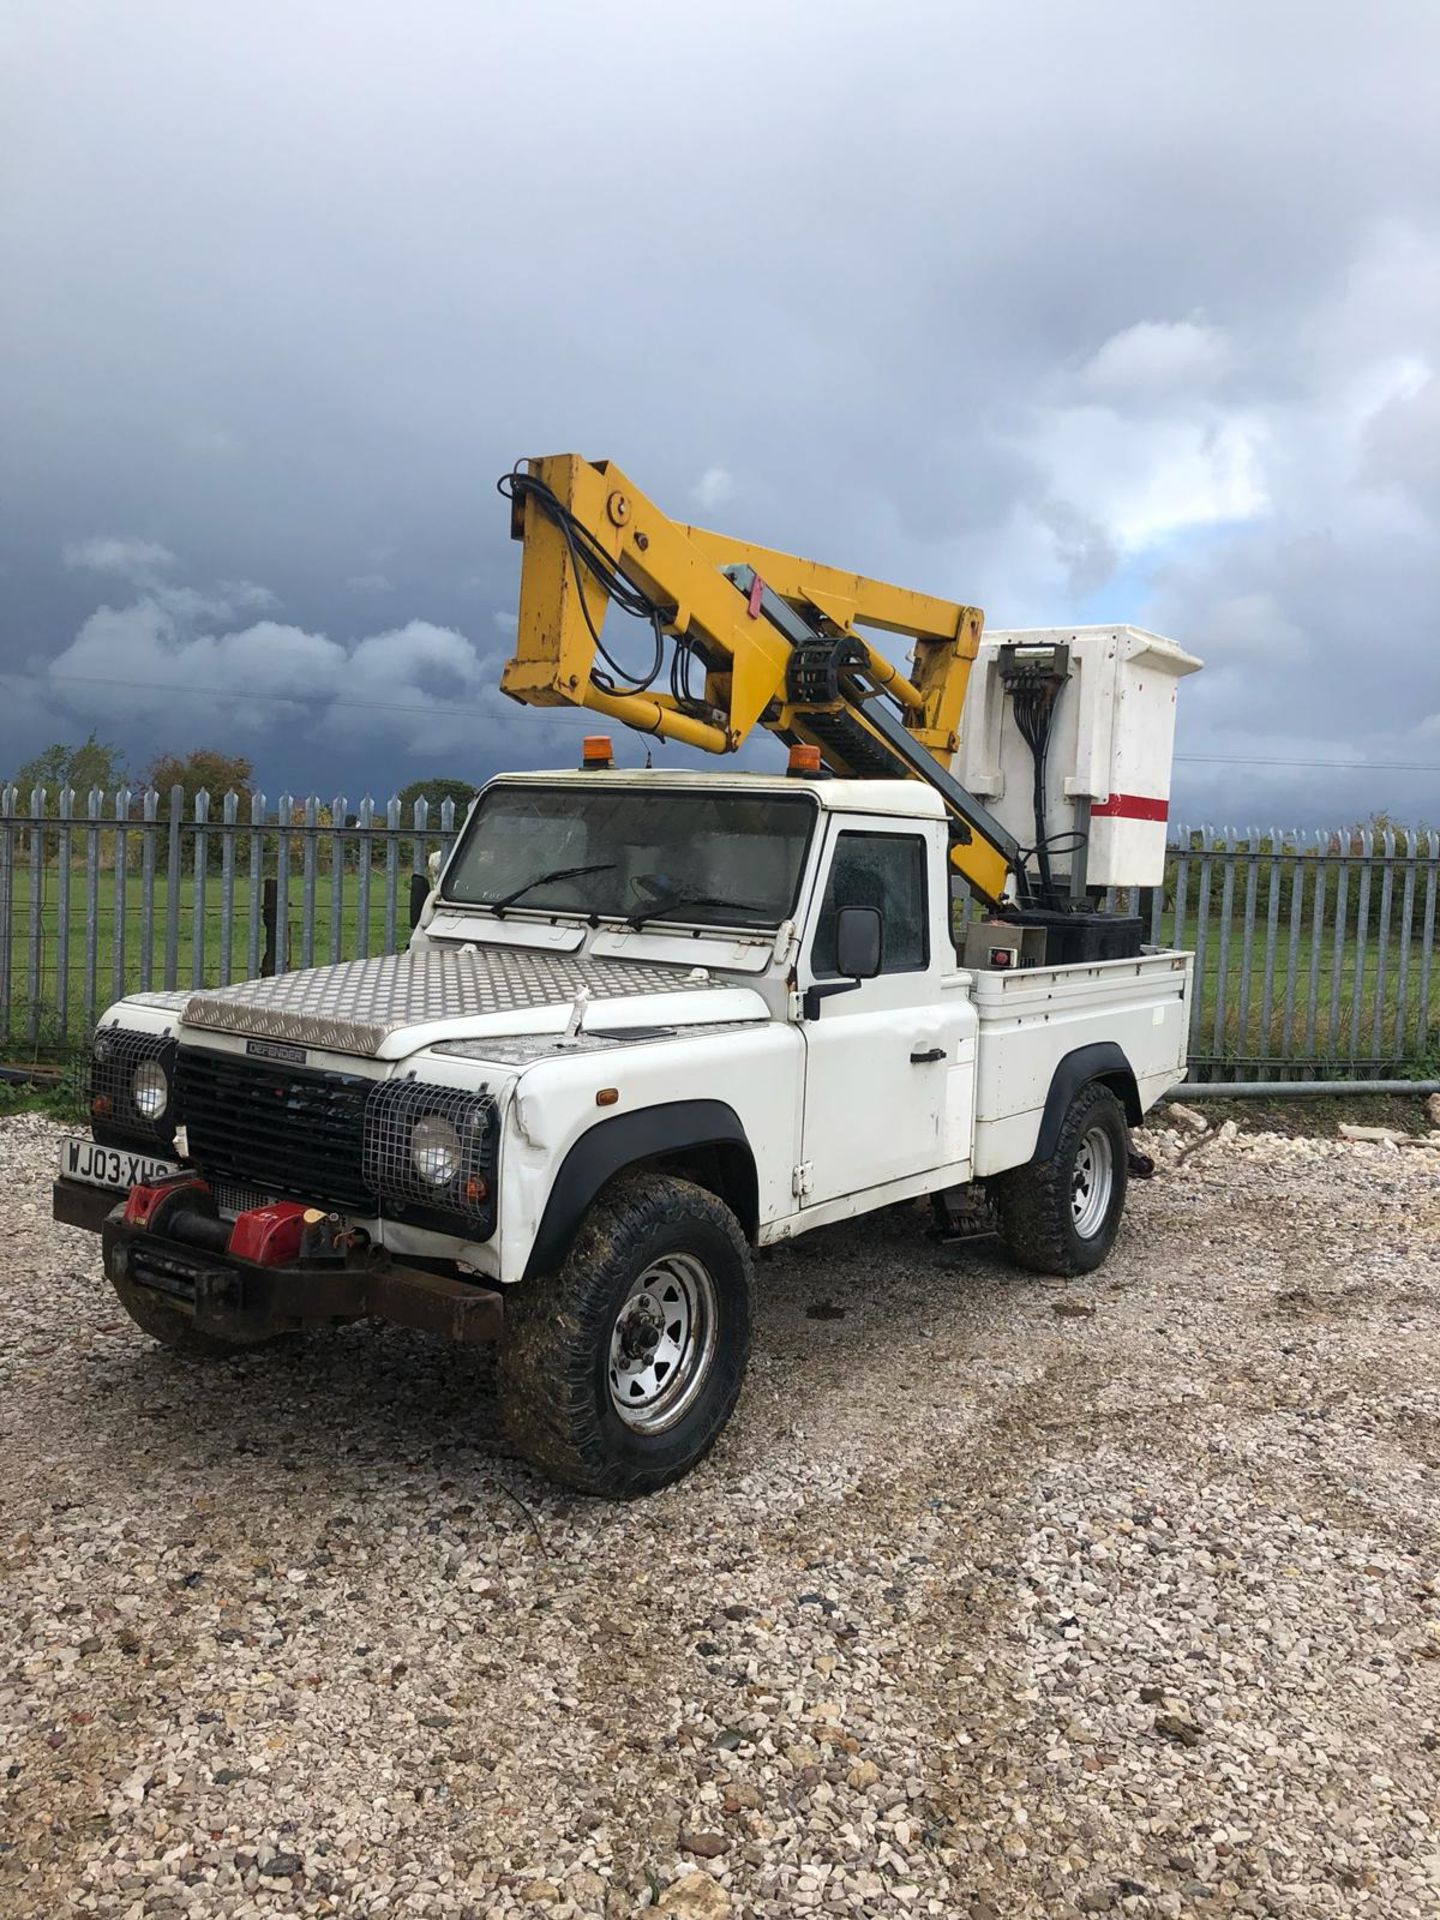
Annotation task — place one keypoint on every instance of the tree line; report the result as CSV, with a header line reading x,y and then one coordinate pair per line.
x,y
95,763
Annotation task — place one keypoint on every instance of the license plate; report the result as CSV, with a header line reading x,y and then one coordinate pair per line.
x,y
99,1166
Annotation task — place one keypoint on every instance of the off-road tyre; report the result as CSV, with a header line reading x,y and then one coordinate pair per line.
x,y
555,1360
175,1329
1037,1203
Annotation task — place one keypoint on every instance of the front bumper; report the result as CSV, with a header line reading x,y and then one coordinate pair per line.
x,y
237,1300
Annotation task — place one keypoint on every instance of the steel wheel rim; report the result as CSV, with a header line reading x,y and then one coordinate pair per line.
x,y
662,1343
1092,1182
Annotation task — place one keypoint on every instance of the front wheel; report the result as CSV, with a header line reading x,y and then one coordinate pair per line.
x,y
619,1371
1061,1215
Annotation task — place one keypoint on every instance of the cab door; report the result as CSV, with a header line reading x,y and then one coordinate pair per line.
x,y
878,1055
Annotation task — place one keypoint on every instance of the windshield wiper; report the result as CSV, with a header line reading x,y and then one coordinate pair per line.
x,y
540,879
678,901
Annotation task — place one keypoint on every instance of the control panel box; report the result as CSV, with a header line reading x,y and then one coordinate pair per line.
x,y
1110,752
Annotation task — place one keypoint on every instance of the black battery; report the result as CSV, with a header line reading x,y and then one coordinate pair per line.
x,y
1072,938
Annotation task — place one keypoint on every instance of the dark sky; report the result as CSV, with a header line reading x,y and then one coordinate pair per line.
x,y
1080,312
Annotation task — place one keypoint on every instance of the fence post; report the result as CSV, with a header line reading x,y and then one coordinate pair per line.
x,y
1206,857
257,882
95,807
118,940
1399,1035
1427,941
1182,887
308,854
1292,953
366,819
1243,1048
7,905
337,877
1382,945
1317,940
280,943
392,869
37,912
1272,937
64,802
1222,964
197,905
271,916
172,891
1362,934
420,816
149,813
229,813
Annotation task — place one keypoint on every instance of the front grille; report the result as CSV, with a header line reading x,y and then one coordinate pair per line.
x,y
233,1200
287,1132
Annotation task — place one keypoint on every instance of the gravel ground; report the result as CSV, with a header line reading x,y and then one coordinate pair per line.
x,y
1002,1597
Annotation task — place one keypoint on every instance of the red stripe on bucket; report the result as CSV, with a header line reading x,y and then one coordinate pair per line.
x,y
1130,806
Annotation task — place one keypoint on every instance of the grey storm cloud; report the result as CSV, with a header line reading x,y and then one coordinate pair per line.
x,y
1080,313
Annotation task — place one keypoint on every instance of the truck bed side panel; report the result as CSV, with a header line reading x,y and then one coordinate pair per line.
x,y
1030,1020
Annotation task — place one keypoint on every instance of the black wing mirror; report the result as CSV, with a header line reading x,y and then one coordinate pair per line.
x,y
859,941
859,948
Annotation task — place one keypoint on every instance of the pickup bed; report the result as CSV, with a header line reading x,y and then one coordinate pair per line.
x,y
648,1023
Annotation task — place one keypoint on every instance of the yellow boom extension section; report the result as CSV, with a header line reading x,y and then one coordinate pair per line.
x,y
778,640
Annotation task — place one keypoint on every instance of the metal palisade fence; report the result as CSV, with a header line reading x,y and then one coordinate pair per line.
x,y
1313,950
107,893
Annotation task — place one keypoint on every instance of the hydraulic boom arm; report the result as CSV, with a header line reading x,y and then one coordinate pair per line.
x,y
776,639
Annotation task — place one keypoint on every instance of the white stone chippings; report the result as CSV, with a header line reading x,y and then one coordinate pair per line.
x,y
977,1611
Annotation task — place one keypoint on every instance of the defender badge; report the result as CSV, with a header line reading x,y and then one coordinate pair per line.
x,y
276,1050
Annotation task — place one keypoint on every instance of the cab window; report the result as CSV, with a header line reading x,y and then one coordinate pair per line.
x,y
884,870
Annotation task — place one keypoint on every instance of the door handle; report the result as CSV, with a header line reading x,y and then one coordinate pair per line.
x,y
924,1058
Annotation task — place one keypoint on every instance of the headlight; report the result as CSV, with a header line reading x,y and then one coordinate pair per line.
x,y
150,1090
435,1150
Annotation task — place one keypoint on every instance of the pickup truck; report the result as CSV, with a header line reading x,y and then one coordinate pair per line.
x,y
648,1023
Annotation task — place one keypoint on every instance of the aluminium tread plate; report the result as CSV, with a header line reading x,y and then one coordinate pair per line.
x,y
355,1006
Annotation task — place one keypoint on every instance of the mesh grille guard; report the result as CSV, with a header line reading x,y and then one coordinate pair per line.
x,y
115,1120
465,1201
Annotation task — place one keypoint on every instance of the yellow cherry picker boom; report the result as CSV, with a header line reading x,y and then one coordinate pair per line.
x,y
754,638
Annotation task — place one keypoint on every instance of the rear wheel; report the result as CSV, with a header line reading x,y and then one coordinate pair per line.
x,y
619,1371
1061,1215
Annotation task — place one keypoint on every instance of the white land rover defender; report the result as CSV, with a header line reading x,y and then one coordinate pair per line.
x,y
648,1023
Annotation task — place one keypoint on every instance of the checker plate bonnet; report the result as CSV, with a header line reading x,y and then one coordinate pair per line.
x,y
354,1007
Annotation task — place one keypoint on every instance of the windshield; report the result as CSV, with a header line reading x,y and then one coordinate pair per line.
x,y
718,859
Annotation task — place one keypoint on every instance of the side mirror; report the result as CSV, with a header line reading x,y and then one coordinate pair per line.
x,y
859,948
859,941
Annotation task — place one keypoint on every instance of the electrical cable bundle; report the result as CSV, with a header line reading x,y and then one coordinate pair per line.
x,y
589,558
1034,698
